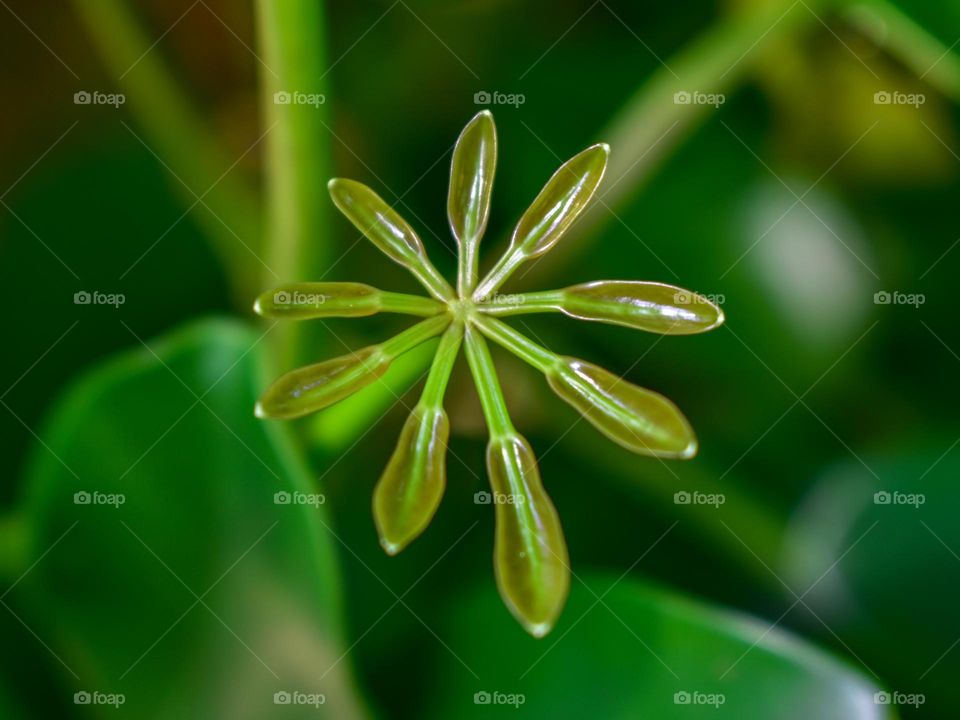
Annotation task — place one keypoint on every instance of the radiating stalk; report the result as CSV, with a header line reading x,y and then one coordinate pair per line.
x,y
412,485
648,306
308,301
530,555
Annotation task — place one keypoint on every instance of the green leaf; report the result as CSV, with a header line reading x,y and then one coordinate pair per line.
x,y
559,204
471,182
315,387
650,306
886,522
213,507
530,554
638,419
311,300
625,650
392,235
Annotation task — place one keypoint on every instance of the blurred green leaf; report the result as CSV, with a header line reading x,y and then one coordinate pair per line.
x,y
183,558
624,649
887,521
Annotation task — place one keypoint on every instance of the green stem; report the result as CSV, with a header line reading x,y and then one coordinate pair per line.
x,y
226,207
925,54
488,386
442,367
413,336
432,280
517,343
410,304
292,46
526,303
467,265
503,269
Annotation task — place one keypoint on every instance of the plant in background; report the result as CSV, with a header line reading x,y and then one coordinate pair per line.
x,y
530,555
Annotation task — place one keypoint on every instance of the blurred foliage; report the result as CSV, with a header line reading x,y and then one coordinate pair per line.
x,y
810,400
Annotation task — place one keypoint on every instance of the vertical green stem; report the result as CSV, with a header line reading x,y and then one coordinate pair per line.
x,y
292,47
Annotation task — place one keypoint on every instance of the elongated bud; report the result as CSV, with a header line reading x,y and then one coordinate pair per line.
x,y
318,300
653,307
384,227
638,419
530,554
471,182
306,301
560,202
315,387
413,482
471,178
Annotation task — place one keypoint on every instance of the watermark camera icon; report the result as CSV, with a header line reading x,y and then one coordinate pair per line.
x,y
681,698
81,698
282,97
282,697
482,497
681,498
281,297
481,97
82,97
881,498
282,497
82,298
482,698
82,498
682,97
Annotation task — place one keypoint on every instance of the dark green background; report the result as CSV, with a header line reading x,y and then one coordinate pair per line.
x,y
808,401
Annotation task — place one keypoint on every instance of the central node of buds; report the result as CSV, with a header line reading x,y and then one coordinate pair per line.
x,y
461,309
